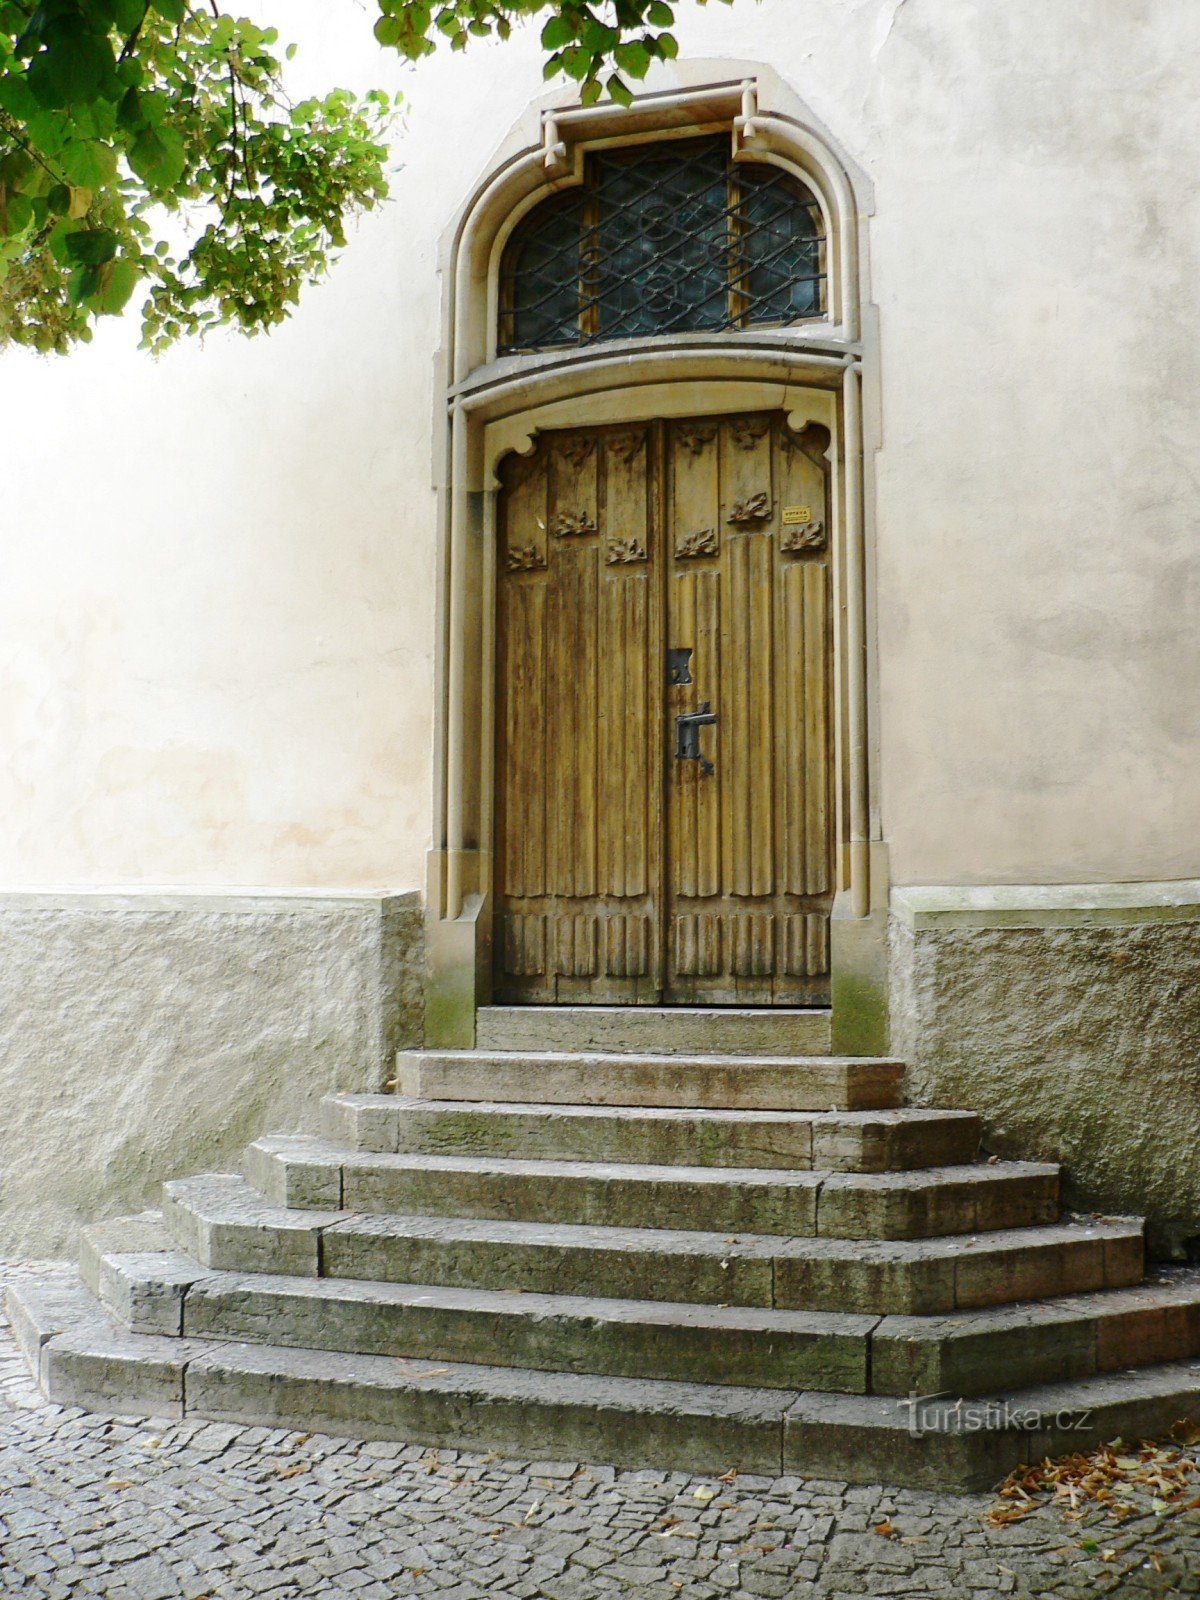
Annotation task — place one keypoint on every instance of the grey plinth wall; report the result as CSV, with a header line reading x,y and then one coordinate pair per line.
x,y
1070,1019
144,1036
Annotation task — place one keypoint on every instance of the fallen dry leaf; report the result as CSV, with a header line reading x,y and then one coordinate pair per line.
x,y
1091,1478
704,1493
886,1530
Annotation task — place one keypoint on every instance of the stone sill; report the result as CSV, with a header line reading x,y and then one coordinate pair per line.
x,y
936,908
152,898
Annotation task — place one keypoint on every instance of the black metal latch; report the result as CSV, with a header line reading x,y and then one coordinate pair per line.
x,y
687,735
677,665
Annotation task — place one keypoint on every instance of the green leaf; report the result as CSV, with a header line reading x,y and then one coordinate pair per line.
x,y
557,32
77,61
633,59
619,91
16,97
89,164
17,214
117,281
91,247
82,284
578,63
158,156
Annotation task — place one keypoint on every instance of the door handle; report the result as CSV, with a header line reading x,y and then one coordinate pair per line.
x,y
687,735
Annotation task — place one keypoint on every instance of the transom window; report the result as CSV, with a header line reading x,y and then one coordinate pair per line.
x,y
664,238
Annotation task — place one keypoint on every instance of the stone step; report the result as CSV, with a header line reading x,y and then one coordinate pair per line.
x,y
301,1171
638,1030
223,1222
298,1171
1045,1341
685,1343
840,1141
82,1358
729,1082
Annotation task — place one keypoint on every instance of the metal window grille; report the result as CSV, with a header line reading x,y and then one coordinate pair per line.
x,y
666,238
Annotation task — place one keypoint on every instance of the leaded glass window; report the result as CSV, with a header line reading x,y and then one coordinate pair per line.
x,y
664,238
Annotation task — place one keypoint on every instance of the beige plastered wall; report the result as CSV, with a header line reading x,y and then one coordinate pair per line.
x,y
217,601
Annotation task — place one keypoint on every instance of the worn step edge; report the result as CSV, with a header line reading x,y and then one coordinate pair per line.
x,y
939,1443
780,1083
301,1171
899,1138
222,1222
966,1444
1046,1341
79,1356
130,1265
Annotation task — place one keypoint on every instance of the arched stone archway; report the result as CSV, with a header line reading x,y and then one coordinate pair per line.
x,y
495,404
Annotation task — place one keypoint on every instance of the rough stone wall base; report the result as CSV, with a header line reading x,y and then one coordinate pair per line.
x,y
148,1036
1078,1043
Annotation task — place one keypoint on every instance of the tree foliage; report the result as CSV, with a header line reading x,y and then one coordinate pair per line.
x,y
148,147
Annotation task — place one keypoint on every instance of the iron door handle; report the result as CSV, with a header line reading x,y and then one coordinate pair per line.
x,y
687,735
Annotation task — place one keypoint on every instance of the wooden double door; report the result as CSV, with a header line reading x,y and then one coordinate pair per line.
x,y
664,727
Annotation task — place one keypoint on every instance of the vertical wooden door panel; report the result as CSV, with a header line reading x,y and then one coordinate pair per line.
x,y
753,930
578,755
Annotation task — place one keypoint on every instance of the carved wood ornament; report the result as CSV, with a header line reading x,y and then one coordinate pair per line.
x,y
623,550
572,525
524,558
694,437
576,449
704,542
756,509
747,431
808,536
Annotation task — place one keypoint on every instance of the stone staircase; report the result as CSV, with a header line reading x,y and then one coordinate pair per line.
x,y
688,1260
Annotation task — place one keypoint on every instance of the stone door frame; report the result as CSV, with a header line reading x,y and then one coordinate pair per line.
x,y
814,371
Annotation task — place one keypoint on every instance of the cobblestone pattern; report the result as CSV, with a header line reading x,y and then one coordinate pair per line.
x,y
130,1510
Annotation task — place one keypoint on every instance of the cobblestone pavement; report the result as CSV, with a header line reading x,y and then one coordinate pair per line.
x,y
150,1511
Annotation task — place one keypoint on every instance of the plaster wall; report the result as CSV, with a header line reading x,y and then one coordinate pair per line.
x,y
1074,1030
217,569
145,1037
